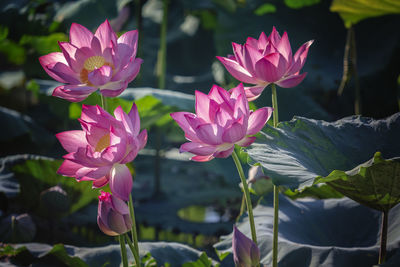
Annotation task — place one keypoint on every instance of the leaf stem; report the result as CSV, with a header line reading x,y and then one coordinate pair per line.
x,y
384,228
133,250
247,196
103,102
162,52
123,251
276,190
133,231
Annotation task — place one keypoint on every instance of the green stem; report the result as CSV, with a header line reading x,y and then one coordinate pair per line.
x,y
384,228
276,190
103,102
133,230
247,196
162,53
123,251
133,250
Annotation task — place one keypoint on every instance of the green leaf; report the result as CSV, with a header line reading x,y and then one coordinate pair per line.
x,y
14,52
59,252
265,9
316,233
300,150
353,11
44,44
296,4
36,175
375,183
203,261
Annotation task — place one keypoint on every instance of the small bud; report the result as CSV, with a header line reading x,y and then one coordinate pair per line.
x,y
55,200
17,228
245,251
259,183
113,215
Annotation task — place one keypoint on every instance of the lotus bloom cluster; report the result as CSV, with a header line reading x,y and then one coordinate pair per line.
x,y
113,215
245,251
222,120
266,60
93,61
101,149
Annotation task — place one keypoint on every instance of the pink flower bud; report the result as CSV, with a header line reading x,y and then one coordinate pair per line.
x,y
113,215
245,251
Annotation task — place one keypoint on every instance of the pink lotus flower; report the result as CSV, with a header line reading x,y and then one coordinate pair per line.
x,y
93,61
222,120
245,251
113,215
100,151
265,61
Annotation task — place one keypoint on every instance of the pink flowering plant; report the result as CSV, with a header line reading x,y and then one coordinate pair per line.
x,y
93,61
101,149
222,120
266,60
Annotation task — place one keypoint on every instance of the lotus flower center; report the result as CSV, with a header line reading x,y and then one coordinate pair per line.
x,y
94,62
104,196
103,143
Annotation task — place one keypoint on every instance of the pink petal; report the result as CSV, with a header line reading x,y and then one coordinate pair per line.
x,y
274,37
248,140
121,181
258,119
237,71
238,52
69,168
142,139
127,47
72,140
97,183
79,36
130,71
241,107
73,93
284,47
105,228
202,158
202,106
197,149
262,41
299,58
116,222
181,119
95,173
234,133
129,122
119,205
252,42
69,52
209,133
106,35
49,61
252,93
219,94
237,91
64,72
225,153
100,76
292,81
250,56
113,89
271,68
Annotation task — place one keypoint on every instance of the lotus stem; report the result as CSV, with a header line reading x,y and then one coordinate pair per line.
x,y
247,196
134,232
162,53
133,250
384,228
123,251
103,102
276,190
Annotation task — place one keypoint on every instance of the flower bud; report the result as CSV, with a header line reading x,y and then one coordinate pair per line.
x,y
113,215
55,200
245,251
259,183
17,228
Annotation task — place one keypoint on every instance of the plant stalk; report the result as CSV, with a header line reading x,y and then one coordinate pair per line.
x,y
276,189
247,196
133,250
384,229
123,251
134,232
162,52
103,102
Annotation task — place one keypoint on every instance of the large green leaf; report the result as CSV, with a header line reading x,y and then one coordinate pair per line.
x,y
375,183
353,11
300,150
64,255
329,233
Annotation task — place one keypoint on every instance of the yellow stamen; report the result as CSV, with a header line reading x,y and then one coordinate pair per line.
x,y
94,62
103,143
